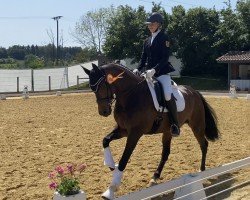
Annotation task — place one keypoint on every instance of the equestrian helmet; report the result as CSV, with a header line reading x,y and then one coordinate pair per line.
x,y
155,17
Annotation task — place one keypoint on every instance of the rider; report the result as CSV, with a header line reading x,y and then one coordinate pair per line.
x,y
156,53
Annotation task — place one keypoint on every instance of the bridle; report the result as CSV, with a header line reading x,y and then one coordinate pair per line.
x,y
109,97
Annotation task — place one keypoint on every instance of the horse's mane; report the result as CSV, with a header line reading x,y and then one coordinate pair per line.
x,y
124,68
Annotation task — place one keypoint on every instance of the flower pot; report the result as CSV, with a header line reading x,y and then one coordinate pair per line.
x,y
80,196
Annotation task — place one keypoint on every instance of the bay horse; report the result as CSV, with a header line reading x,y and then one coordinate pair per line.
x,y
134,113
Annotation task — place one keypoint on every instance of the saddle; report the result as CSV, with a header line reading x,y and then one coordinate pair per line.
x,y
157,93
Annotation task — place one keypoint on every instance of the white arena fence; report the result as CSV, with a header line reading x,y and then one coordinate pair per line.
x,y
42,79
189,187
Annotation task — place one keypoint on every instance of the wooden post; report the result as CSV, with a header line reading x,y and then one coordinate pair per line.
x,y
77,82
67,76
229,75
17,84
49,83
32,80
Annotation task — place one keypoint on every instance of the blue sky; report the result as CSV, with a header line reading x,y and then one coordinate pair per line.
x,y
25,22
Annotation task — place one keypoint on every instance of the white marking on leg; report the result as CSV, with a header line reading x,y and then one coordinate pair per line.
x,y
108,159
117,177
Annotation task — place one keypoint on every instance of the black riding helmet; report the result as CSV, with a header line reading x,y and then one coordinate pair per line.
x,y
155,17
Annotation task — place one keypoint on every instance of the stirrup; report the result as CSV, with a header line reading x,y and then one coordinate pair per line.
x,y
175,130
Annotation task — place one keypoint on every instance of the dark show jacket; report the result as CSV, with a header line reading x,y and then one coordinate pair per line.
x,y
156,55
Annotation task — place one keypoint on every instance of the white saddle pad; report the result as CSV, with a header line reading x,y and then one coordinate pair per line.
x,y
180,101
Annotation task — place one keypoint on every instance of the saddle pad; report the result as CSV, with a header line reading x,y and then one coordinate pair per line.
x,y
180,101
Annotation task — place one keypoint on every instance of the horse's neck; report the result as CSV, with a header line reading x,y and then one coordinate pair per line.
x,y
135,92
126,86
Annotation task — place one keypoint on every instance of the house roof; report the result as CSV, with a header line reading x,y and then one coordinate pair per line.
x,y
235,57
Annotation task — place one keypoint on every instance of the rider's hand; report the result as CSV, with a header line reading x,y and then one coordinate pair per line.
x,y
136,71
150,73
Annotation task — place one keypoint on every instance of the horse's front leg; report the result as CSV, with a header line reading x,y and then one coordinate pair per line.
x,y
132,140
117,133
166,142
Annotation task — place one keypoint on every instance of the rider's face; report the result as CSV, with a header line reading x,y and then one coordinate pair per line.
x,y
153,27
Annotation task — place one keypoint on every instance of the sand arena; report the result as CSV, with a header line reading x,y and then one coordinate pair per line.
x,y
42,132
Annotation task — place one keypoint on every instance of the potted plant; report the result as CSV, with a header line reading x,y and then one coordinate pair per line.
x,y
65,182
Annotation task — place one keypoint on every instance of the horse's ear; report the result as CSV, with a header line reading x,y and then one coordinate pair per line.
x,y
86,70
95,67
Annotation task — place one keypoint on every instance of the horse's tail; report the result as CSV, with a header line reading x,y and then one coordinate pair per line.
x,y
211,130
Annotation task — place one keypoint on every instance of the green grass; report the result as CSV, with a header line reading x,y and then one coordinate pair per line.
x,y
202,83
82,86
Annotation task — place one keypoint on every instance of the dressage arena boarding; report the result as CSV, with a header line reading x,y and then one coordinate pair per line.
x,y
40,133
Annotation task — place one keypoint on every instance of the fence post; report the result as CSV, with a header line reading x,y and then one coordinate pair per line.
x,y
32,80
77,82
49,83
67,76
17,84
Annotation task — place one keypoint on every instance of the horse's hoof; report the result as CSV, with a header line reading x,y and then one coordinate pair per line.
x,y
109,194
152,182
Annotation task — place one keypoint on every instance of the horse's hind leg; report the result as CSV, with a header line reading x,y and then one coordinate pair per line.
x,y
166,142
199,134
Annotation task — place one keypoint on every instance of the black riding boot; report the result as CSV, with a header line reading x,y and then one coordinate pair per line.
x,y
172,110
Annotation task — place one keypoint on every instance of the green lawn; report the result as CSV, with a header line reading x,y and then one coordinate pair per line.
x,y
202,83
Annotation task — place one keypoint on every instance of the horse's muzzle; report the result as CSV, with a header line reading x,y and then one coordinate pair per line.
x,y
105,112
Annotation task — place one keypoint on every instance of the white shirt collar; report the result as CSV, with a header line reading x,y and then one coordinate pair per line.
x,y
154,35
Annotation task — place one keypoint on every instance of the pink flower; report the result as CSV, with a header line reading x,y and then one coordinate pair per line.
x,y
52,175
53,185
70,168
60,170
63,175
81,167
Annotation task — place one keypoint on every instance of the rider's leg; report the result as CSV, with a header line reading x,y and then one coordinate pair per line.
x,y
171,105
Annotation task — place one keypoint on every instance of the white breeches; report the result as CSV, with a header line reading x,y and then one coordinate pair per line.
x,y
165,80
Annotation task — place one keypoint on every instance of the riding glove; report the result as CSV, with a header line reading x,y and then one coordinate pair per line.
x,y
136,71
150,73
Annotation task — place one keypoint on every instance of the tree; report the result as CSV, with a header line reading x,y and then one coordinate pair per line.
x,y
233,31
52,43
17,52
193,36
126,33
243,9
3,53
175,29
90,31
33,62
86,54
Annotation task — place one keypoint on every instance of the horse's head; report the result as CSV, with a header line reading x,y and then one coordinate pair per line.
x,y
100,86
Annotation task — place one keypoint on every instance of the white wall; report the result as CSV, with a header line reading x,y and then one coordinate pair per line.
x,y
8,78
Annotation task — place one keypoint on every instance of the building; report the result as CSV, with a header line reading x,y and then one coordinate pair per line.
x,y
238,63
